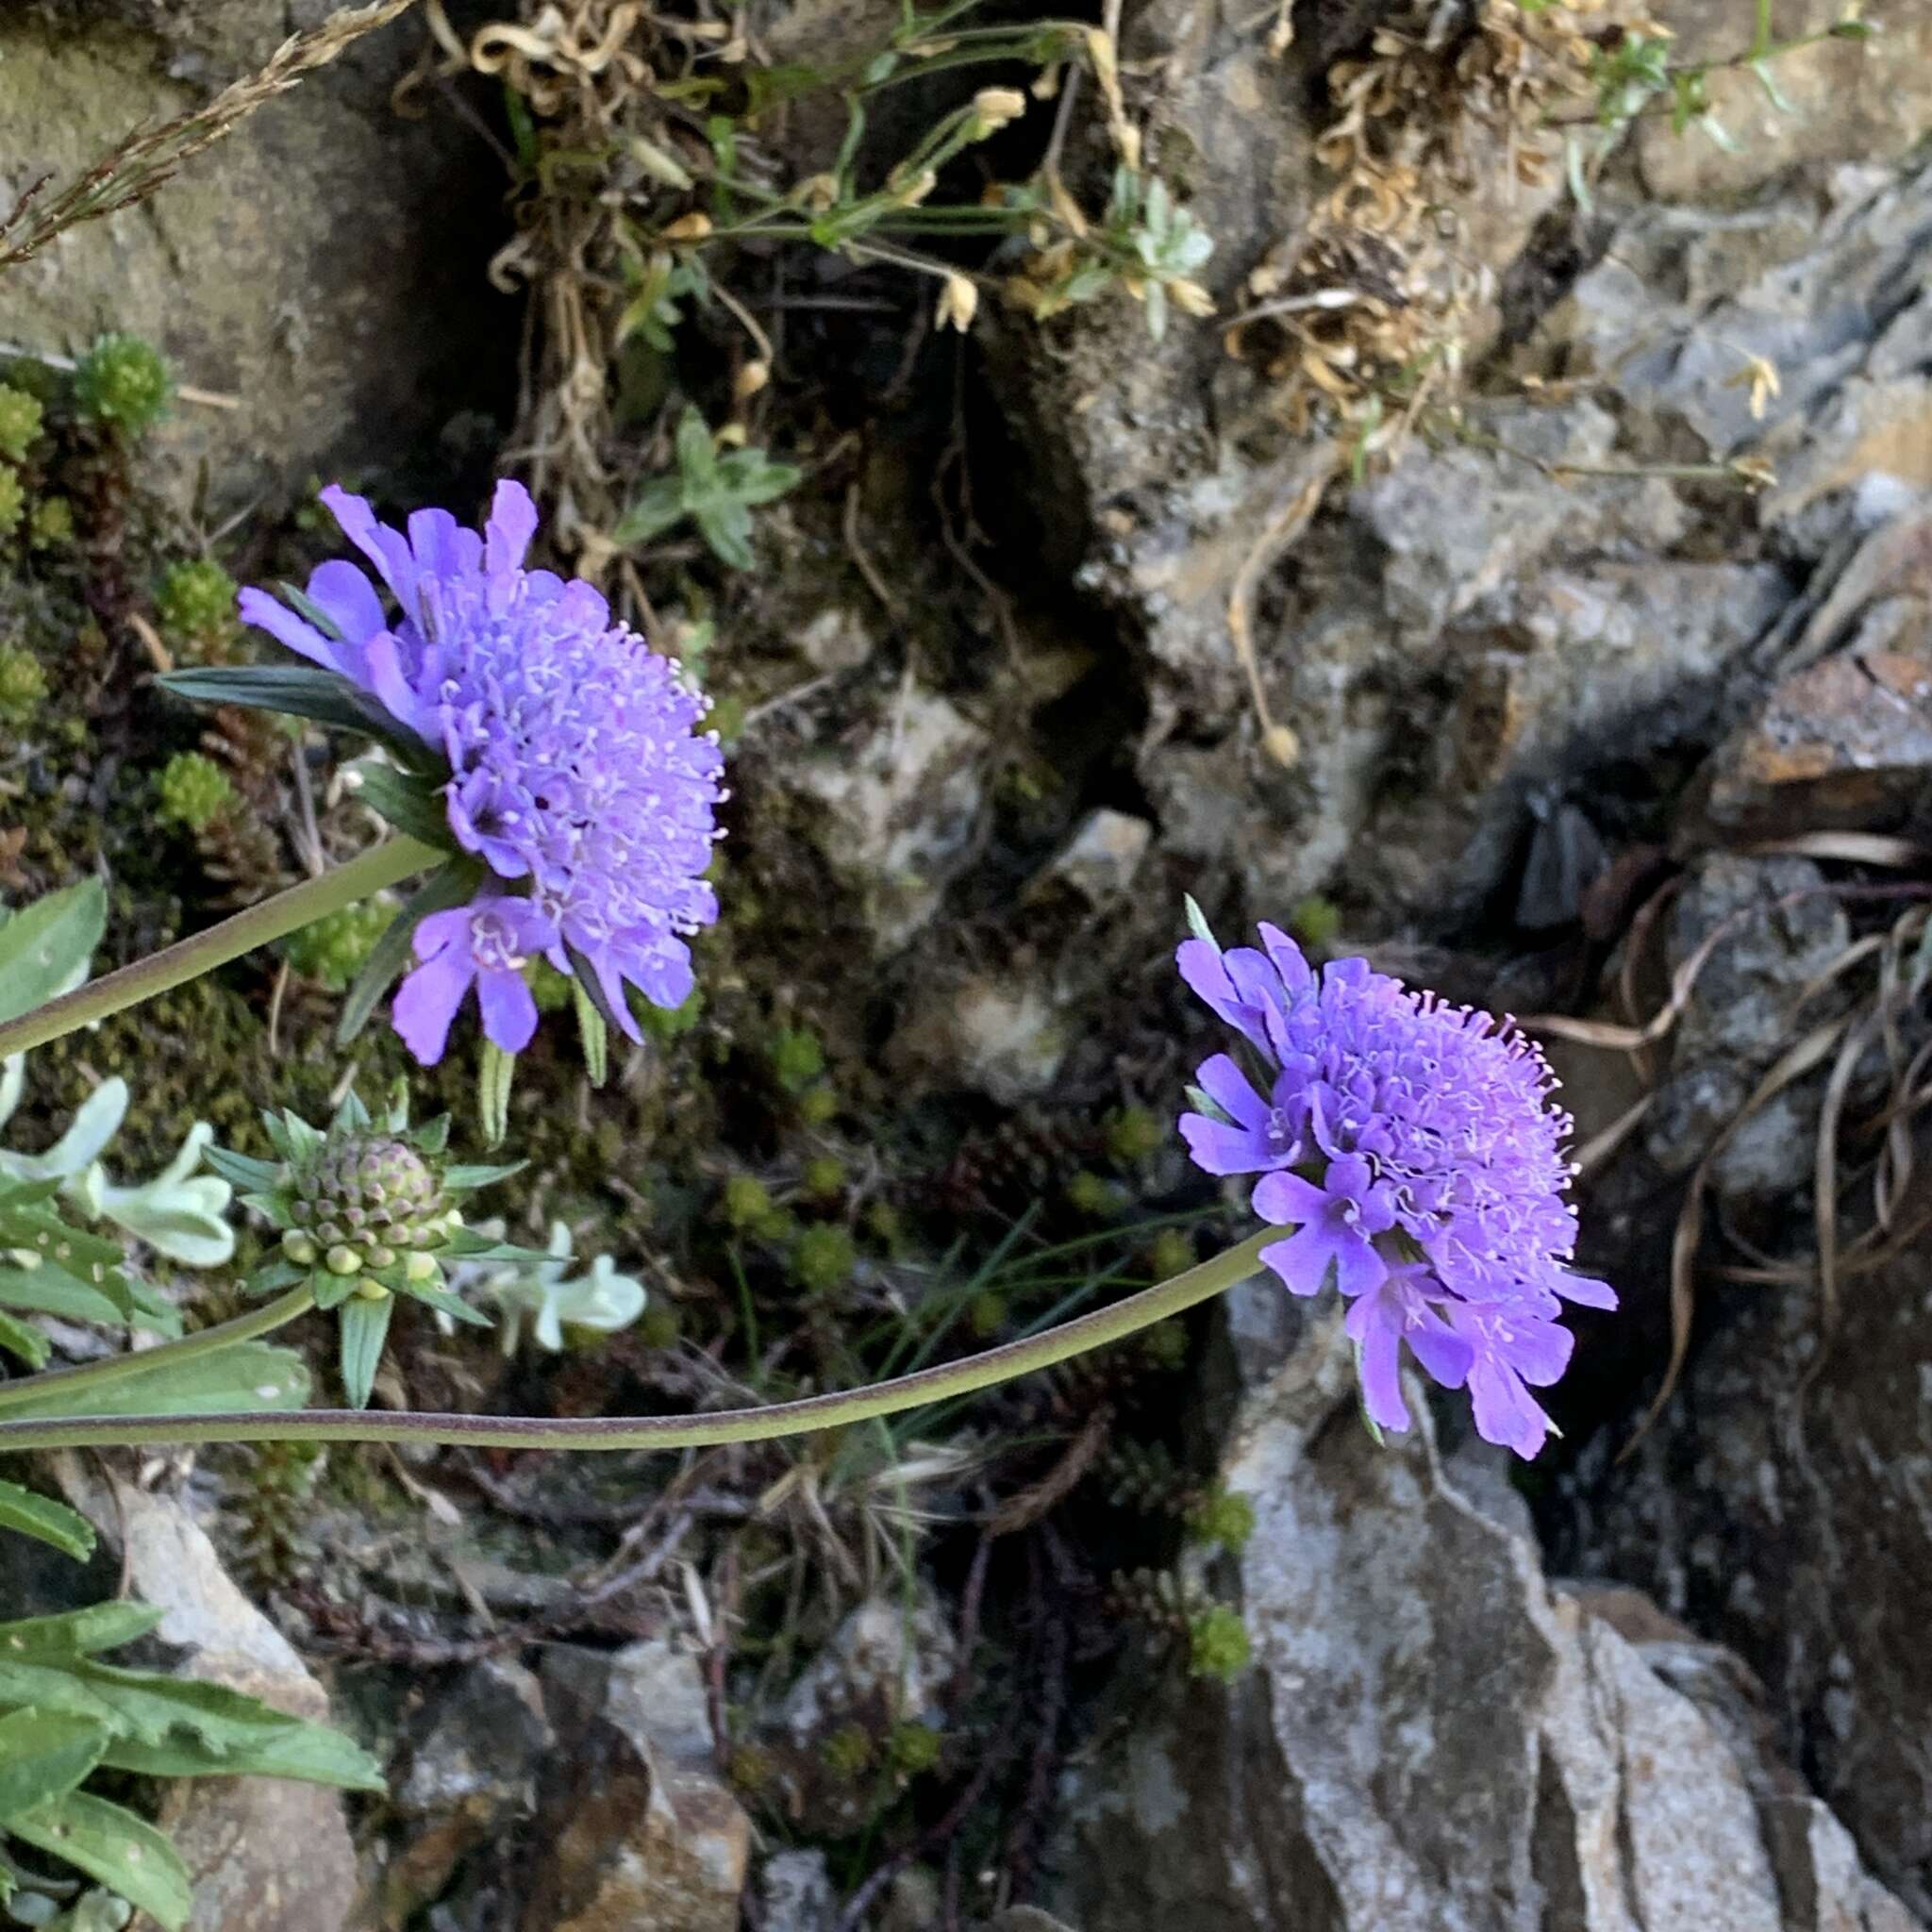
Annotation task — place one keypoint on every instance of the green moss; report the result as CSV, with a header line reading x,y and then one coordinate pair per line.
x,y
550,988
1091,1195
1165,1345
1217,1643
748,1205
12,500
195,601
50,523
1133,1135
913,1748
666,1024
336,947
847,1753
1223,1517
818,1105
824,1179
798,1058
193,791
23,684
20,421
122,383
1172,1253
822,1259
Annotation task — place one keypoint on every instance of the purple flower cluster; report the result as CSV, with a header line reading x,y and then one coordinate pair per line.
x,y
1410,1148
574,768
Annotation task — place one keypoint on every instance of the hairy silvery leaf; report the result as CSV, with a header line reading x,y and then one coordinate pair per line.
x,y
43,947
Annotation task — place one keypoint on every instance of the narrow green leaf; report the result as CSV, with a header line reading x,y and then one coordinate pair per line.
x,y
409,804
447,887
1197,924
77,1633
586,976
53,1292
43,1756
298,690
365,1328
1203,1102
116,1849
467,1177
306,608
242,1170
351,1115
445,1303
29,1344
311,1752
44,1519
592,1035
250,1376
495,1071
44,945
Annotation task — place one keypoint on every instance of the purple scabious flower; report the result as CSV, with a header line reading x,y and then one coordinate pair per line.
x,y
567,756
1411,1152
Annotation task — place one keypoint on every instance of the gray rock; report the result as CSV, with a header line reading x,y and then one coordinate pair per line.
x,y
1778,1503
897,813
1435,1737
634,1827
471,1761
293,267
797,1891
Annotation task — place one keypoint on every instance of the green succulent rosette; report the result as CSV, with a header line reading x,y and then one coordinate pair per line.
x,y
369,1212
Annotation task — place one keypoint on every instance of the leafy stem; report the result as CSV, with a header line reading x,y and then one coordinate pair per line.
x,y
606,1433
100,999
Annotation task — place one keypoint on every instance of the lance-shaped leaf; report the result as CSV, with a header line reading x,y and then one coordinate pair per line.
x,y
43,1756
299,691
45,946
251,1376
406,801
115,1848
44,1519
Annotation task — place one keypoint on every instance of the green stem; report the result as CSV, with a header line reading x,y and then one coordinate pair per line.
x,y
951,1379
92,1375
381,865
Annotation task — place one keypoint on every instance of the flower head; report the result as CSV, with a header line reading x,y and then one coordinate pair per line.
x,y
565,753
1410,1149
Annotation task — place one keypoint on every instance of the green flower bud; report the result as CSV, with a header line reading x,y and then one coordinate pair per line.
x,y
342,1259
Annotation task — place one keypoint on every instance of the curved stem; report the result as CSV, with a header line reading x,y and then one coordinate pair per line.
x,y
381,865
92,1376
1152,1304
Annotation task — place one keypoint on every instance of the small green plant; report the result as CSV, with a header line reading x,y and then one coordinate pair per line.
x,y
715,491
824,1177
822,1258
12,499
192,791
748,1205
122,383
1218,1645
50,523
337,947
20,421
797,1057
1133,1135
913,1748
848,1752
194,601
1221,1518
23,684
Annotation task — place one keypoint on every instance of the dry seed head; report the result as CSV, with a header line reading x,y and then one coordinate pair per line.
x,y
994,108
958,304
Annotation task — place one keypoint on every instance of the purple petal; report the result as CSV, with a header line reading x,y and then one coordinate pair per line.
x,y
1289,1201
1539,1351
348,598
438,931
1584,1289
1379,1366
509,1011
1205,973
1359,1264
383,665
513,524
1305,1259
435,542
428,1000
1217,1148
1348,1175
258,608
1286,959
387,549
1443,1353
1505,1412
1225,1084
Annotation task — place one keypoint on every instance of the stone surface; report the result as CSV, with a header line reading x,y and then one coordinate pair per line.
x,y
634,1829
293,267
895,814
266,1855
1781,1504
1434,1737
469,1772
796,1891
